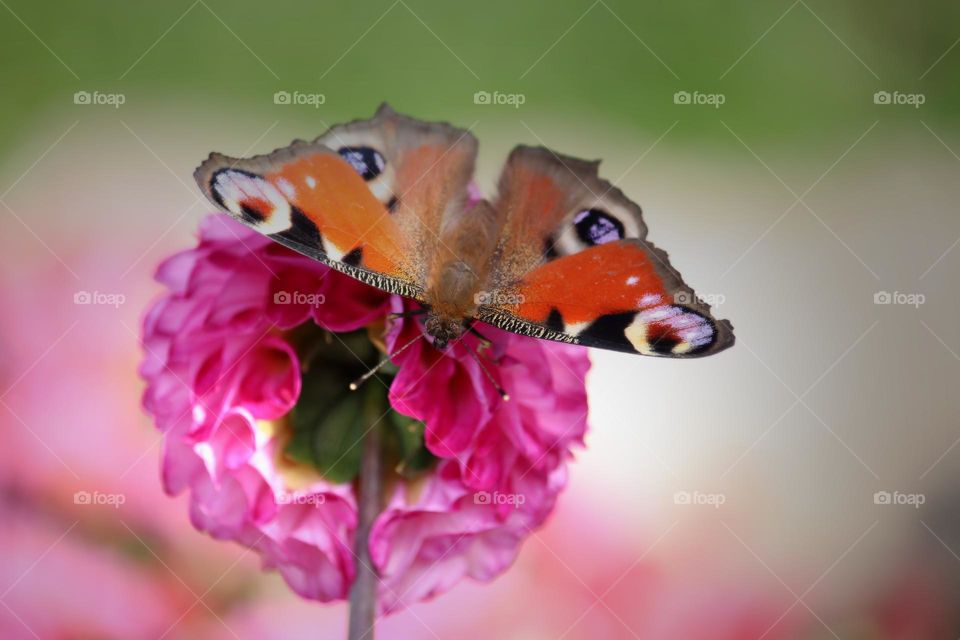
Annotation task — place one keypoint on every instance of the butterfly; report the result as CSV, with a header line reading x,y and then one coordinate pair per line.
x,y
560,254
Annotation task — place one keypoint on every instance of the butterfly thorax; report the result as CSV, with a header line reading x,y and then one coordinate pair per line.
x,y
461,266
451,300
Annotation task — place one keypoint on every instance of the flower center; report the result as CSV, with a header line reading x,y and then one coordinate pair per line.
x,y
327,425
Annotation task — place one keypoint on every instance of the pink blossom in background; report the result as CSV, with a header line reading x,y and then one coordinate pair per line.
x,y
221,371
62,582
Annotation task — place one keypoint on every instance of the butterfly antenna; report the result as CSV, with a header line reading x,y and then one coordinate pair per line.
x,y
359,381
503,394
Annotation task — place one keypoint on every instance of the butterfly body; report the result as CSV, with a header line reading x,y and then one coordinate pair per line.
x,y
460,269
559,254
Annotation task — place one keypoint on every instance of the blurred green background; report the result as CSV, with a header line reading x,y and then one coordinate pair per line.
x,y
617,60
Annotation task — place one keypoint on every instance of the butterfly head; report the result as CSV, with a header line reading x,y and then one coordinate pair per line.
x,y
442,329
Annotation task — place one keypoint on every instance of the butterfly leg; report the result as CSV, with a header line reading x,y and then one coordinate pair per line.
x,y
483,346
484,341
412,313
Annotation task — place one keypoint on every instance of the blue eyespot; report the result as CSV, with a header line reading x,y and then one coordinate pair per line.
x,y
366,161
595,226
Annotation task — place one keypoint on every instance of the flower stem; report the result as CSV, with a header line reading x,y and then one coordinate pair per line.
x,y
363,592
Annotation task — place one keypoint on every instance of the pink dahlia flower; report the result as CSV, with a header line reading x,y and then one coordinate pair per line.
x,y
247,361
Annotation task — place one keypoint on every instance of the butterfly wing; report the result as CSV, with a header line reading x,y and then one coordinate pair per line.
x,y
366,198
574,265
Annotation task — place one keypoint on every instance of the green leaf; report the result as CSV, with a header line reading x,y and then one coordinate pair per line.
x,y
338,440
328,424
411,453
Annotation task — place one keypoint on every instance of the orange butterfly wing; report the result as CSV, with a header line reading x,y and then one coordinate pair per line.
x,y
346,213
366,198
575,267
424,176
